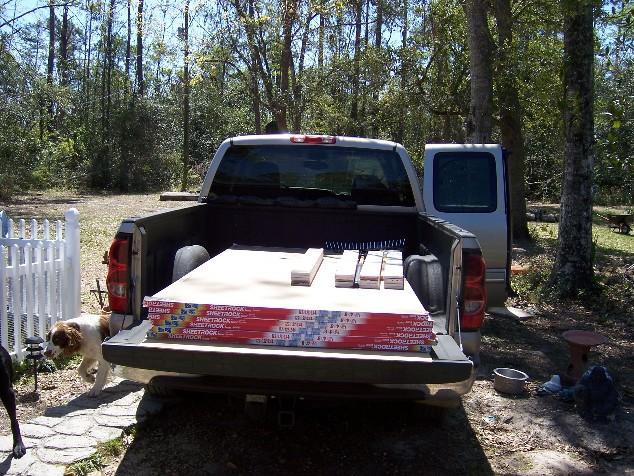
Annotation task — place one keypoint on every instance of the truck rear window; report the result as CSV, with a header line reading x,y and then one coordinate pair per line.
x,y
465,182
309,172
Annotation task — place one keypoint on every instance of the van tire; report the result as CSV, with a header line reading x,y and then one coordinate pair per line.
x,y
187,259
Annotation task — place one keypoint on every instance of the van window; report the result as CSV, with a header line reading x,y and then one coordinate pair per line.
x,y
365,176
465,182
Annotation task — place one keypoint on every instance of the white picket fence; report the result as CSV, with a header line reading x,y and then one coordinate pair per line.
x,y
39,278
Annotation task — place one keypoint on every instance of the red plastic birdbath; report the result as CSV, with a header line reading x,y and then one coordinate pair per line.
x,y
580,343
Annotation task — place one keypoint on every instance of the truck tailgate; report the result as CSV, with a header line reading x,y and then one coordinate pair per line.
x,y
446,363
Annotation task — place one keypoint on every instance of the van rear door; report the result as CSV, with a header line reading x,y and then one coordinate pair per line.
x,y
465,185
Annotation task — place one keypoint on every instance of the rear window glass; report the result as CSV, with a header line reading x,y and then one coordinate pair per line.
x,y
366,176
465,182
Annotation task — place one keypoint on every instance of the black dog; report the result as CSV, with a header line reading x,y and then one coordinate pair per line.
x,y
8,398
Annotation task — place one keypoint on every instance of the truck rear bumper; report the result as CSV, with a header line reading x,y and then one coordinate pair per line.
x,y
446,395
331,371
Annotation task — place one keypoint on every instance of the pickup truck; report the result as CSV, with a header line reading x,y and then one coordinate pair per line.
x,y
331,192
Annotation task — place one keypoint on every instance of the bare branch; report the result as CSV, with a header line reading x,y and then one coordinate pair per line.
x,y
8,22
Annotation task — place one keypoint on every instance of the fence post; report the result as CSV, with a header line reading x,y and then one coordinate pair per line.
x,y
16,301
4,224
72,281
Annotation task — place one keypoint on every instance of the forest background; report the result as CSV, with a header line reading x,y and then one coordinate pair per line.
x,y
135,95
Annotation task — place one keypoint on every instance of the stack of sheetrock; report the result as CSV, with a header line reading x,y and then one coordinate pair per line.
x,y
306,267
347,269
290,327
242,296
393,270
370,277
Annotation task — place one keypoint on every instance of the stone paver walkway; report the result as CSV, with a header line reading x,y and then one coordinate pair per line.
x,y
71,432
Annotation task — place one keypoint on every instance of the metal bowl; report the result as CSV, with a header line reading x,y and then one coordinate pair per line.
x,y
509,381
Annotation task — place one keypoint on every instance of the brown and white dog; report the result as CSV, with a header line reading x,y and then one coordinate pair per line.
x,y
82,335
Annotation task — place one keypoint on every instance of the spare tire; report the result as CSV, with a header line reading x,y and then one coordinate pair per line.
x,y
187,259
425,275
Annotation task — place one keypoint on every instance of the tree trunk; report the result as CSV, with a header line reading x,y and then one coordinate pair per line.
x,y
103,56
185,99
63,49
378,27
354,113
139,50
285,62
320,47
125,152
379,24
366,39
255,85
259,63
109,66
63,61
88,59
51,57
573,267
157,82
339,34
298,102
128,46
400,133
256,101
363,94
510,118
479,121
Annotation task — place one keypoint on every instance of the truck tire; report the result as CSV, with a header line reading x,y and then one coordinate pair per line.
x,y
424,274
188,258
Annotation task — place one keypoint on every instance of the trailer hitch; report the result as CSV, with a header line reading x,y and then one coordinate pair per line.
x,y
286,412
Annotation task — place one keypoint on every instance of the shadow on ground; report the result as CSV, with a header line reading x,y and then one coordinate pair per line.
x,y
211,435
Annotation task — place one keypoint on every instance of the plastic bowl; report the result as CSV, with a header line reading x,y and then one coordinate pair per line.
x,y
509,381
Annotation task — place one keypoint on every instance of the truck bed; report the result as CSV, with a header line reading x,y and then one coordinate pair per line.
x,y
271,288
218,227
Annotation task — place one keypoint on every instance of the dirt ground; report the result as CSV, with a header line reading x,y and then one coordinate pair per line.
x,y
489,434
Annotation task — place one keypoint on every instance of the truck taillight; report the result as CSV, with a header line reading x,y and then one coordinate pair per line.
x,y
305,139
474,300
118,280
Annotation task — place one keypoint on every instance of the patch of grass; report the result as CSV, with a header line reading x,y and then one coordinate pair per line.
x,y
105,453
23,371
85,466
613,293
544,231
63,362
112,448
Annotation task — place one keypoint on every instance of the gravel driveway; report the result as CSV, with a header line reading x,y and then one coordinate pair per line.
x,y
489,434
